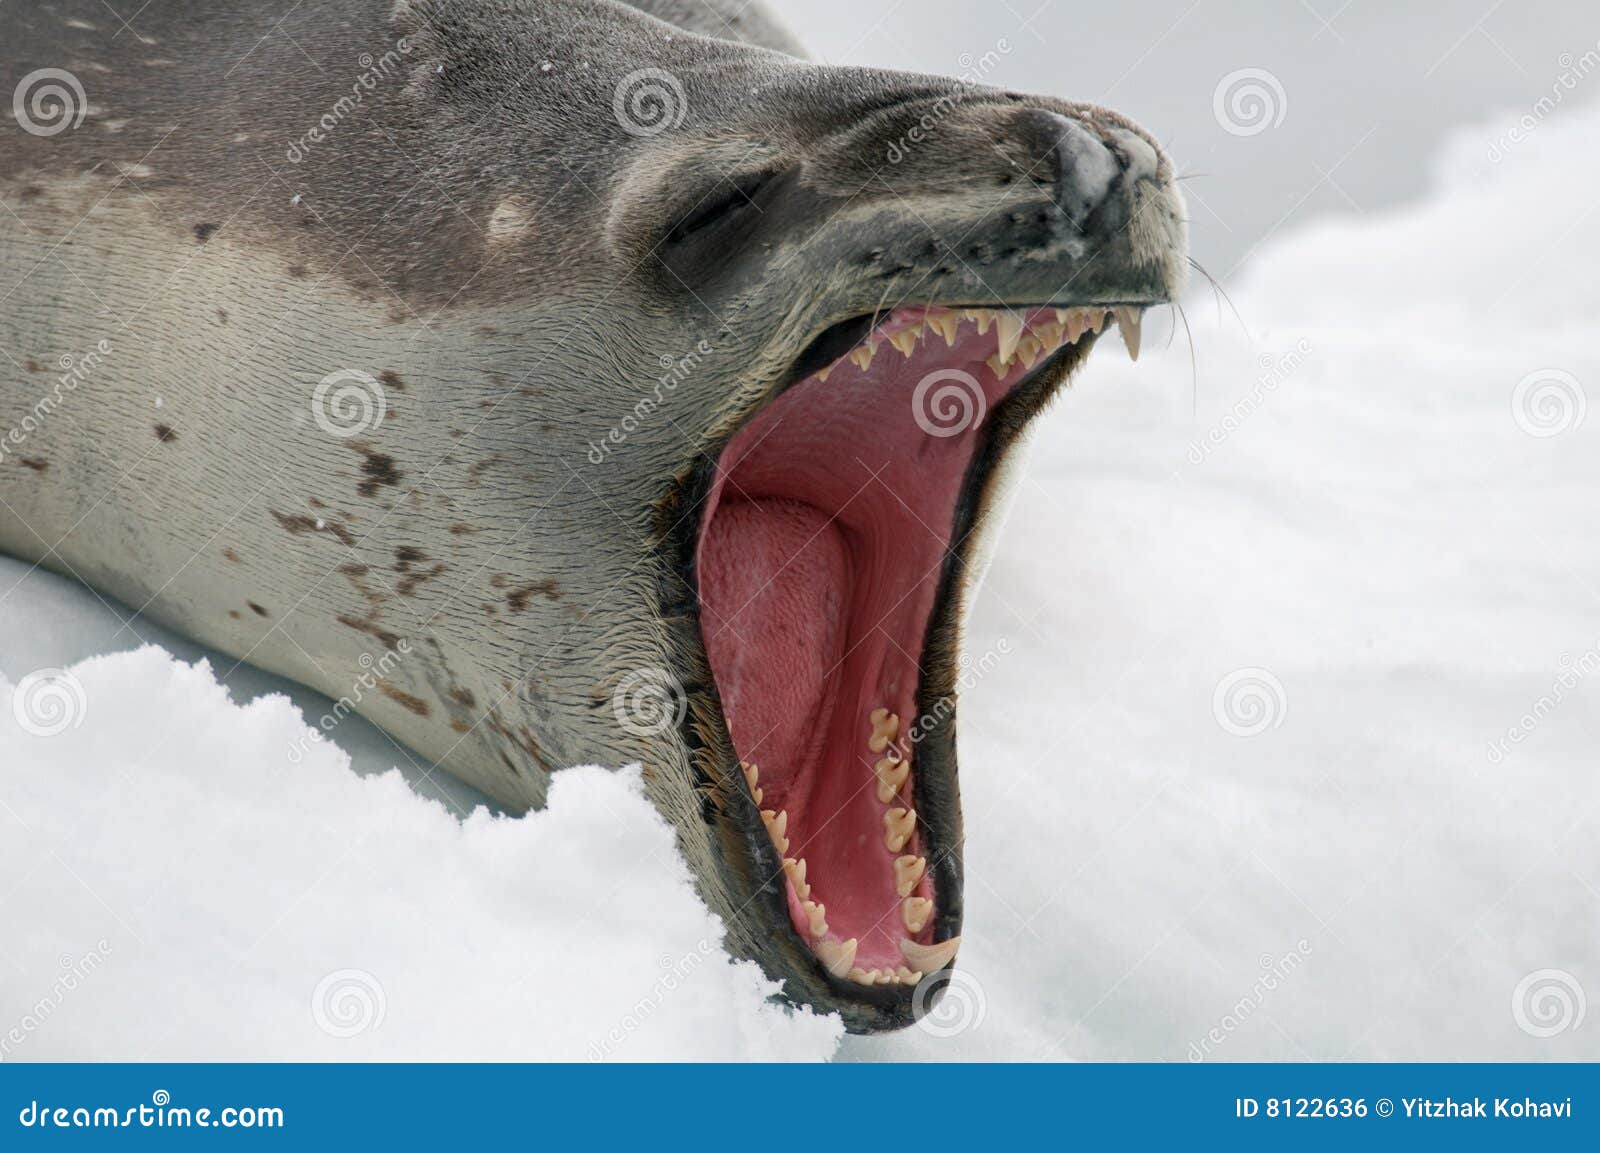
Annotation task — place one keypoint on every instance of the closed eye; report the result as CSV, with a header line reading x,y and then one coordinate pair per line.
x,y
731,199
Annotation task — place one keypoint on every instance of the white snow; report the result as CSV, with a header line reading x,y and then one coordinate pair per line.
x,y
1372,550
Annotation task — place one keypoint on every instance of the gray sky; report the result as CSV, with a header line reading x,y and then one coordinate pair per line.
x,y
1368,89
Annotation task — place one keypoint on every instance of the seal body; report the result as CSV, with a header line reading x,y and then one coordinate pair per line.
x,y
382,335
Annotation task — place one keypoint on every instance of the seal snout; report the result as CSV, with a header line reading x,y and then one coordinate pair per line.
x,y
1084,170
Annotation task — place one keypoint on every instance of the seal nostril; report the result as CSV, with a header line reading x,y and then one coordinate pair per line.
x,y
1083,168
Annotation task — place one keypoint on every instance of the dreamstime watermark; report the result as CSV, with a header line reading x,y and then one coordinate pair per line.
x,y
49,101
948,402
649,701
974,72
349,1002
677,369
1574,70
48,702
1274,971
1571,672
74,371
348,403
1548,1002
1248,702
676,973
1248,101
972,671
374,671
1275,370
75,971
649,102
1549,402
948,1003
373,71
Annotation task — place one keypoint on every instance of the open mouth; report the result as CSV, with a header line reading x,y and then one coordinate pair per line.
x,y
830,563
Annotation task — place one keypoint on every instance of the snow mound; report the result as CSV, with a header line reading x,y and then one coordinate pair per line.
x,y
222,888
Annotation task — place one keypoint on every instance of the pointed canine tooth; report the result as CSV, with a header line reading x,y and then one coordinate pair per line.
x,y
839,959
862,355
817,917
796,872
906,341
827,372
929,958
1128,321
897,827
985,318
908,872
997,366
1028,350
916,911
1008,327
892,773
948,327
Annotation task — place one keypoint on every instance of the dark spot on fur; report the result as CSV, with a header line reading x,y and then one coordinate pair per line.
x,y
461,726
166,434
461,529
229,554
257,609
314,502
354,570
404,699
298,524
407,555
391,379
32,365
517,598
35,464
204,232
298,271
387,638
234,614
222,316
377,469
408,584
463,697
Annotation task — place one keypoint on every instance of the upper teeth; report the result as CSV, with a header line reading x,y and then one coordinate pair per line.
x,y
1016,339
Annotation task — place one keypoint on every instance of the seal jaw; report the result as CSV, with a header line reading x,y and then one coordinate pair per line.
x,y
834,657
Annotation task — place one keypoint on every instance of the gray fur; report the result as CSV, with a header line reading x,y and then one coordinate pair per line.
x,y
479,231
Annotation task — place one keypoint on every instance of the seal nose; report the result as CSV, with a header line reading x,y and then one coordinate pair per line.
x,y
1083,168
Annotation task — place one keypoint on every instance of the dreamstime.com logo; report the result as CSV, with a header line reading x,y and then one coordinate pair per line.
x,y
1248,702
649,102
348,403
75,971
1549,402
349,1002
949,1003
160,1113
648,702
49,101
49,702
1248,101
1548,1002
948,402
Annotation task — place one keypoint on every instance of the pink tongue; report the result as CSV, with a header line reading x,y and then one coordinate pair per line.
x,y
775,589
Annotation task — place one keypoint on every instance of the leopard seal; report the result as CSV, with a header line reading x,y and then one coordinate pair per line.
x,y
615,382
